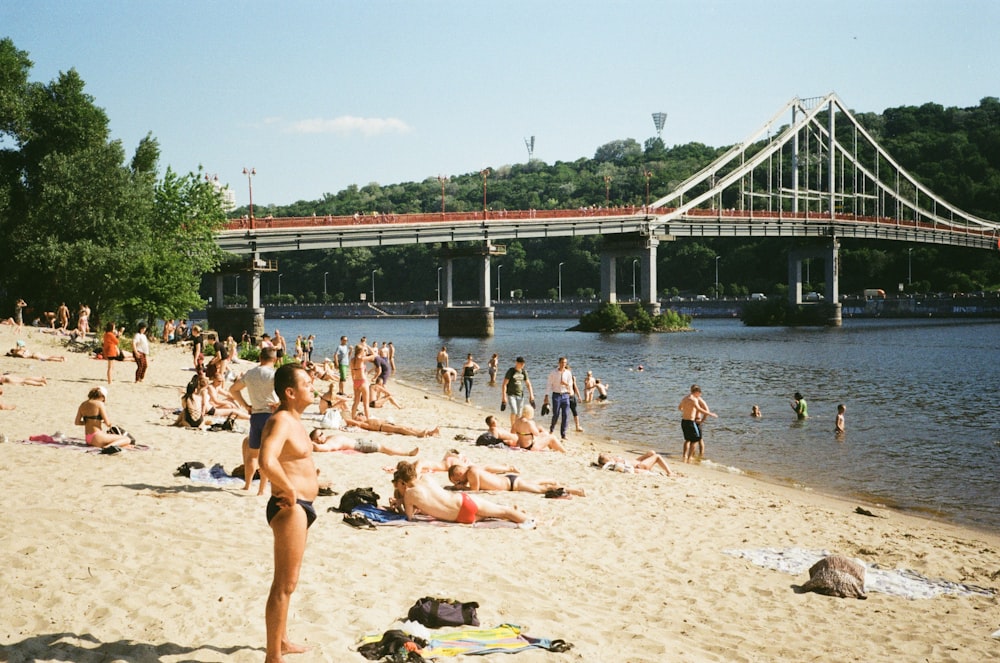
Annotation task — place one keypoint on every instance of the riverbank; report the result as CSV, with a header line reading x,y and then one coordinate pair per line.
x,y
115,558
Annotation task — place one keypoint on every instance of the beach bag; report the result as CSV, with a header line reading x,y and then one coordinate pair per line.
x,y
435,613
331,419
357,496
487,440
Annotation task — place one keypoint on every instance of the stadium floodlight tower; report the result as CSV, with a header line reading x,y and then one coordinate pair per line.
x,y
659,119
530,144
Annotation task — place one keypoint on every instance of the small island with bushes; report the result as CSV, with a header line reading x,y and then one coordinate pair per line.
x,y
611,318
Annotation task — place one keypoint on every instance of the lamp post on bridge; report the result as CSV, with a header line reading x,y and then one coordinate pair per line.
x,y
439,284
560,280
635,261
607,190
499,267
717,277
250,173
484,172
647,174
324,283
442,179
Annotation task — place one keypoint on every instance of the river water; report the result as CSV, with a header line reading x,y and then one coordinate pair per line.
x,y
923,406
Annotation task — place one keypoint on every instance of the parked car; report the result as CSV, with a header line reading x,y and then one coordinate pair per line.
x,y
757,297
701,298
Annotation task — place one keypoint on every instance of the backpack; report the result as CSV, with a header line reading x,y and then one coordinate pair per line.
x,y
356,497
185,469
435,613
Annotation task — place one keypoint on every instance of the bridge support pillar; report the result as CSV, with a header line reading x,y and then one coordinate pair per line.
x,y
466,321
830,255
642,251
234,321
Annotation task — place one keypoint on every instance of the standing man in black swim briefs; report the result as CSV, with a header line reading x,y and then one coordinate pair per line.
x,y
693,409
286,461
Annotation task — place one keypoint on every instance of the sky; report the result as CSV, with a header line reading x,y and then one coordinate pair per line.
x,y
319,95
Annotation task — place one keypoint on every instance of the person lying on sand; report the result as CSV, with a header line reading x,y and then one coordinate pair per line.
x,y
379,426
418,493
10,378
323,442
478,477
493,430
644,463
22,352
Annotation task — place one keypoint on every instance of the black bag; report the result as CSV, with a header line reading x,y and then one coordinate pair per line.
x,y
487,440
185,469
356,497
435,613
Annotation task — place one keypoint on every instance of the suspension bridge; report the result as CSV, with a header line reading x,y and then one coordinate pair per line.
x,y
811,171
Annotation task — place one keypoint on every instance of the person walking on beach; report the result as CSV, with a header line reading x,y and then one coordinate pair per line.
x,y
140,351
469,370
693,409
259,383
62,317
515,381
560,387
800,407
286,461
109,347
342,360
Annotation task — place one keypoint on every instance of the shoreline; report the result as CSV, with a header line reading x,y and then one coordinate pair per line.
x,y
115,558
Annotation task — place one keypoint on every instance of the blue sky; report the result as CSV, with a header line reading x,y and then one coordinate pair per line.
x,y
320,95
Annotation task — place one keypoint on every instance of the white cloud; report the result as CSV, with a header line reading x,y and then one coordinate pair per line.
x,y
348,124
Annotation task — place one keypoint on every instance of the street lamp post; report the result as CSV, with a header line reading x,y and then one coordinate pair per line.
x,y
635,261
499,299
250,173
717,277
324,283
442,179
373,285
484,172
279,285
560,280
909,266
439,283
236,288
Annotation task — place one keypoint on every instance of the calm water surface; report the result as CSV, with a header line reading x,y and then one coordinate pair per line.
x,y
923,409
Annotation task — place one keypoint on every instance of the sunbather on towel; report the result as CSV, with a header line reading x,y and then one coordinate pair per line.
x,y
479,477
418,492
323,442
644,463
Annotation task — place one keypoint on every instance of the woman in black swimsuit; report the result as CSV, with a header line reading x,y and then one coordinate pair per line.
x,y
469,369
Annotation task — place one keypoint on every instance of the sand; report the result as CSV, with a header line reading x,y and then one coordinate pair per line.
x,y
113,558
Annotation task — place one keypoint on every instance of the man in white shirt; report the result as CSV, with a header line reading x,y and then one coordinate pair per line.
x,y
559,388
259,383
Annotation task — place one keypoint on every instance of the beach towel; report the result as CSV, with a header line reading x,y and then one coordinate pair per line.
x,y
896,582
59,441
214,475
384,517
504,639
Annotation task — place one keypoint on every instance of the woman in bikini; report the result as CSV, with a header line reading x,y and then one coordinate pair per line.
x,y
93,416
530,436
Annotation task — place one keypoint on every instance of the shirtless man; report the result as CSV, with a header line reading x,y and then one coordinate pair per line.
x,y
478,477
31,381
419,493
359,376
379,426
286,461
693,409
493,428
62,316
323,442
442,363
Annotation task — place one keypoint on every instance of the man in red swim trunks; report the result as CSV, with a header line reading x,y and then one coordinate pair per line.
x,y
419,493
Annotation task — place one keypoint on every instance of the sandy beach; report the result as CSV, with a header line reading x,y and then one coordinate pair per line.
x,y
113,558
